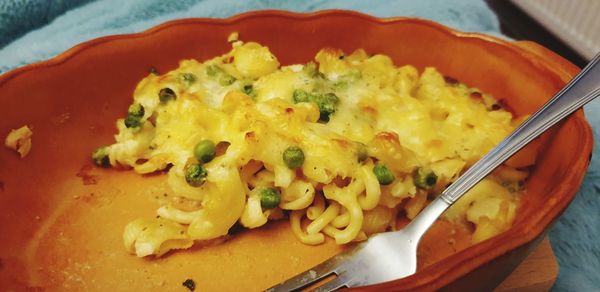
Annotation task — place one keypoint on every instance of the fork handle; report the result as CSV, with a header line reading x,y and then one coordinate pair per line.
x,y
581,90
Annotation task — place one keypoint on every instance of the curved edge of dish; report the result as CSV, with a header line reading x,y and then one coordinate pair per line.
x,y
459,264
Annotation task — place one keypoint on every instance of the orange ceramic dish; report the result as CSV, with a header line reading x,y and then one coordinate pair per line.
x,y
62,219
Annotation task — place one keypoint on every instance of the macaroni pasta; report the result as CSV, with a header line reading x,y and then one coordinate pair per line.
x,y
340,146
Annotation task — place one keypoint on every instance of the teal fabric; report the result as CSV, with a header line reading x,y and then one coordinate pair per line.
x,y
20,16
34,30
106,17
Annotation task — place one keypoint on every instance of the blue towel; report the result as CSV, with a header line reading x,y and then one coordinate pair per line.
x,y
64,23
108,17
19,16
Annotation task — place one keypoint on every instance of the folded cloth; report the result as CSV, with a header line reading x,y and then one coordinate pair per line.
x,y
20,16
575,237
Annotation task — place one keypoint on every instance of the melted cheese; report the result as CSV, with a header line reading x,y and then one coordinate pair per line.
x,y
243,99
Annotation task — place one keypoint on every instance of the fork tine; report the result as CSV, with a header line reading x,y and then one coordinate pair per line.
x,y
310,276
334,284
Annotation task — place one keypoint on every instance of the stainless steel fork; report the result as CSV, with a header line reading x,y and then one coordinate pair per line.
x,y
393,255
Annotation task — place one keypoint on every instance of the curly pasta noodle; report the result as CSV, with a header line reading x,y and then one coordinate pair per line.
x,y
342,146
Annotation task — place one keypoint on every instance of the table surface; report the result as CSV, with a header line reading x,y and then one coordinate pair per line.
x,y
537,272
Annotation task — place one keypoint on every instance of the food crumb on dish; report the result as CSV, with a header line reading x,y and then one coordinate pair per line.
x,y
85,173
190,284
153,71
233,37
19,140
60,119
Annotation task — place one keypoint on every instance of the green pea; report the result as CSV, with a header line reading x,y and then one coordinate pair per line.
x,y
300,95
327,102
223,77
132,122
166,94
513,186
154,71
188,78
361,152
195,175
341,85
136,110
354,75
269,198
205,151
248,89
310,69
383,173
213,70
226,79
293,157
327,105
100,156
134,115
424,178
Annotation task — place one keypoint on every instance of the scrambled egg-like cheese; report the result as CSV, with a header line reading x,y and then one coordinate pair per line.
x,y
345,144
19,140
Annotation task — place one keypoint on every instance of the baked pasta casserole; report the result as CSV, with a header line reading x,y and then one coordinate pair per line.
x,y
341,147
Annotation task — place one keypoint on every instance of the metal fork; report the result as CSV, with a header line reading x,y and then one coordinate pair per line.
x,y
393,255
